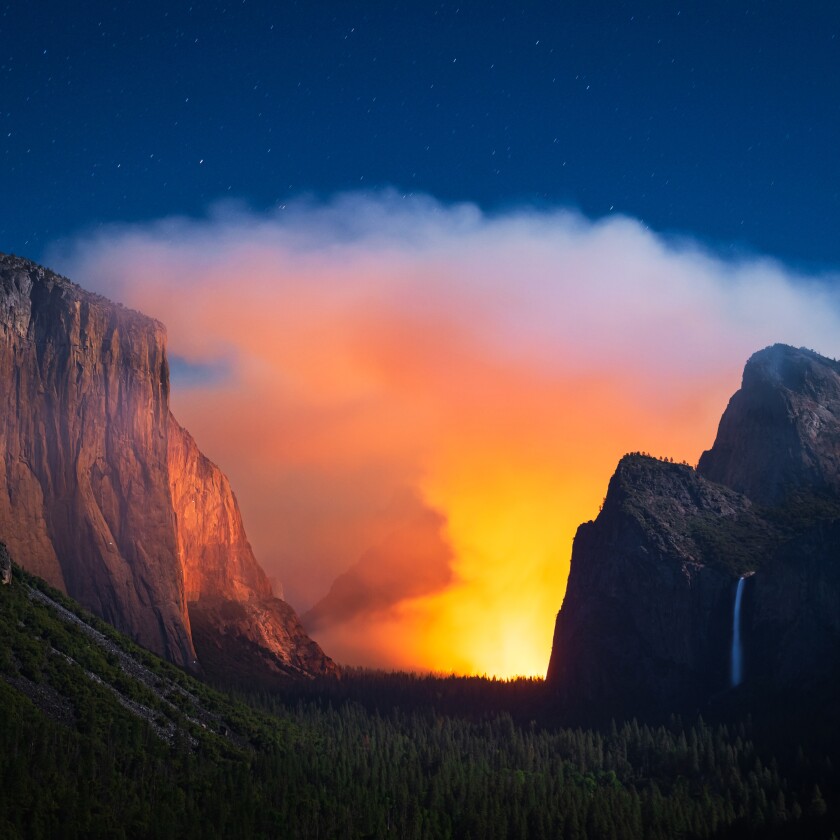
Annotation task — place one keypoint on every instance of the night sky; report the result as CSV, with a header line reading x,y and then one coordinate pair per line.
x,y
718,120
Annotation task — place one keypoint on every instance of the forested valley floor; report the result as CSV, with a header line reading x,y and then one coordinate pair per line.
x,y
102,739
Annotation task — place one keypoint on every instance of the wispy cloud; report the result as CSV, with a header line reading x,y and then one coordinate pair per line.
x,y
496,366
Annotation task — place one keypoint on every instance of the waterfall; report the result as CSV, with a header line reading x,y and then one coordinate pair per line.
x,y
737,668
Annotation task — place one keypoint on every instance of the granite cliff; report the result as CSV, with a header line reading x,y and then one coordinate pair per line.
x,y
238,626
780,433
105,495
647,620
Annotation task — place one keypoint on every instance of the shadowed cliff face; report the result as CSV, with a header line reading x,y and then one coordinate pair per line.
x,y
646,624
793,625
104,494
781,430
644,616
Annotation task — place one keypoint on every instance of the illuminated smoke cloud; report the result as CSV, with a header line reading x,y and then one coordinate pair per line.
x,y
329,356
413,560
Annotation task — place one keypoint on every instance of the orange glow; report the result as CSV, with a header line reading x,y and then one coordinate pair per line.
x,y
497,372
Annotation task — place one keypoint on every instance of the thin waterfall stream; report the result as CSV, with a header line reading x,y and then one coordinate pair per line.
x,y
737,655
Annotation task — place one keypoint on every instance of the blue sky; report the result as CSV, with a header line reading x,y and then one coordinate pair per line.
x,y
716,120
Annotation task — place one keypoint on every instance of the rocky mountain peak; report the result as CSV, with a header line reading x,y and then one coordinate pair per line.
x,y
657,581
667,490
792,369
780,433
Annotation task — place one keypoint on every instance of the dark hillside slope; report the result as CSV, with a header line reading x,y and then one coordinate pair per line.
x,y
102,739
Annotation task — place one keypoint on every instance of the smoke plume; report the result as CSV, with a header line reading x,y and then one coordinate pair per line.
x,y
338,359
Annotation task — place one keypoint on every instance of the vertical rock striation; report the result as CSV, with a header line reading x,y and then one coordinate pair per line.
x,y
215,554
103,493
85,502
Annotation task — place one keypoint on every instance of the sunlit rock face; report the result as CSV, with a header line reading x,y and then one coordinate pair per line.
x,y
104,495
85,389
646,624
239,627
215,554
